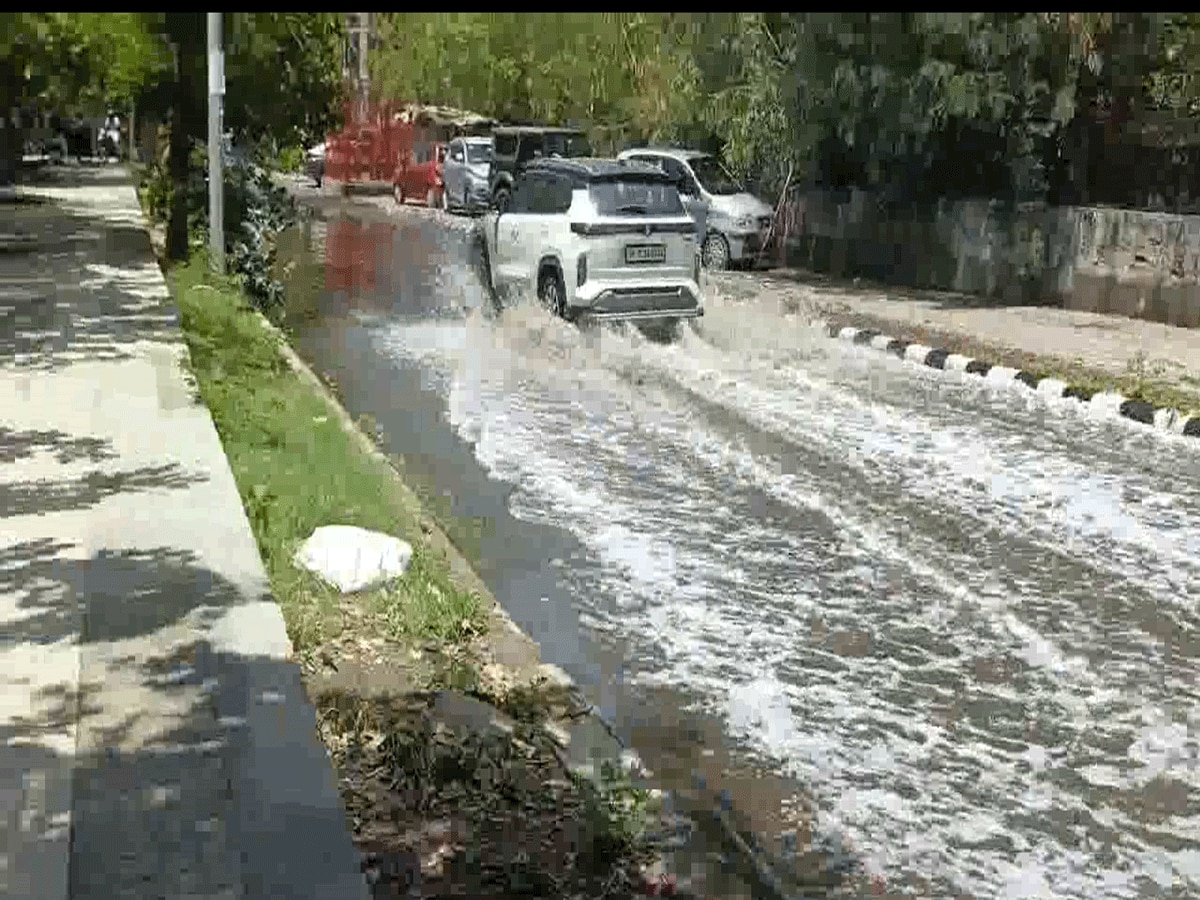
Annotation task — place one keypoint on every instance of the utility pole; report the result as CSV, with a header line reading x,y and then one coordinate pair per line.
x,y
216,141
359,31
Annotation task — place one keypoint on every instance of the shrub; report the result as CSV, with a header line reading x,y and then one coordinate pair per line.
x,y
256,210
291,159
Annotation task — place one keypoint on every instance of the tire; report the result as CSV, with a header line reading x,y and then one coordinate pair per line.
x,y
489,285
398,193
500,199
551,293
715,254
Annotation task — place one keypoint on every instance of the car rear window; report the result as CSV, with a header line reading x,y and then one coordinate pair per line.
x,y
634,196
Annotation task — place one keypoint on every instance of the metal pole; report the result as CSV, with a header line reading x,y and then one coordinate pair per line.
x,y
216,175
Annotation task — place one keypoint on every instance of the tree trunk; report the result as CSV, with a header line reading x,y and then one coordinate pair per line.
x,y
10,151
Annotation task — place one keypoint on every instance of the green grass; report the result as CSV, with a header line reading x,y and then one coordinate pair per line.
x,y
296,469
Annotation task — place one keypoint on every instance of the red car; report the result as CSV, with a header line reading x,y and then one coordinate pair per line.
x,y
419,175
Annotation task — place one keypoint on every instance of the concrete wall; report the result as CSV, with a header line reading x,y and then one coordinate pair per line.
x,y
1093,258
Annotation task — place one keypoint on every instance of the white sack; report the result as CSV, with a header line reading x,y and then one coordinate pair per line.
x,y
353,559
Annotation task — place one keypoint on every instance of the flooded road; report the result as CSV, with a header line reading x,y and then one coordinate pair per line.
x,y
965,620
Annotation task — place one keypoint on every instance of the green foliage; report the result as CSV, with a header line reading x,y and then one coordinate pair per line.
x,y
893,95
290,159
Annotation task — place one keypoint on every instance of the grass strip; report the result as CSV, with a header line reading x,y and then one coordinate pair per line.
x,y
296,469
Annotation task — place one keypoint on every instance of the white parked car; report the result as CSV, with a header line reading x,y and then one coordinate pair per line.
x,y
735,222
601,238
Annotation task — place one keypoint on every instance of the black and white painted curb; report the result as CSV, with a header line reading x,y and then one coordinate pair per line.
x,y
1162,418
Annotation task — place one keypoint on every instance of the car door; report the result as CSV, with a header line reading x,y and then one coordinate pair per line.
x,y
542,197
510,235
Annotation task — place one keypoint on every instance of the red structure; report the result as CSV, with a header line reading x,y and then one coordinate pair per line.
x,y
381,144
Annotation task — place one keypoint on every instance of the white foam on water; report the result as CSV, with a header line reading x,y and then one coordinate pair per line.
x,y
722,599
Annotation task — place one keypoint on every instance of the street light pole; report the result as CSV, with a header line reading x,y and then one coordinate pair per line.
x,y
216,175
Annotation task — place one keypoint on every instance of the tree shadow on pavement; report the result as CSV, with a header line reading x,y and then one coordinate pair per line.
x,y
155,739
175,767
48,496
84,283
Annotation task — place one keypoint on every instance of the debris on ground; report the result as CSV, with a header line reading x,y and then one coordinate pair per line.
x,y
483,800
353,559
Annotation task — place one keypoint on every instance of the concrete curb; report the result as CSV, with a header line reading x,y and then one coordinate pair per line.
x,y
1139,411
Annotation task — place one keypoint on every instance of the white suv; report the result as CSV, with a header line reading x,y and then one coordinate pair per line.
x,y
601,238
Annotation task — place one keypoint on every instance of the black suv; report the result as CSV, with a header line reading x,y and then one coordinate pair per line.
x,y
514,147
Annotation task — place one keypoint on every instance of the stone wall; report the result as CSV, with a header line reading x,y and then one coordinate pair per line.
x,y
1101,259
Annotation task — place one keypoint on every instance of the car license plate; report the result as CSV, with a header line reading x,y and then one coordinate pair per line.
x,y
645,253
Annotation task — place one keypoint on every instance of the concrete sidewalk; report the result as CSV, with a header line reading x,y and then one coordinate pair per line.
x,y
156,739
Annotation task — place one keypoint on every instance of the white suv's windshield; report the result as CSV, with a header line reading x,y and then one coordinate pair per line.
x,y
633,196
477,154
713,177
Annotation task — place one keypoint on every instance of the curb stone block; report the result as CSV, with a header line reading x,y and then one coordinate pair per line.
x,y
1138,410
1052,387
937,359
918,353
865,336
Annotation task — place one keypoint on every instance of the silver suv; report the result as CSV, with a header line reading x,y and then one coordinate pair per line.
x,y
735,222
600,238
465,173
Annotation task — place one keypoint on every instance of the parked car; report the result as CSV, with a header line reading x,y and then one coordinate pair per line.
x,y
314,163
514,147
421,175
734,222
466,173
596,237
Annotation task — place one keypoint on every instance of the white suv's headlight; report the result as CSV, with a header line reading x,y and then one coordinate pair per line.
x,y
745,222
